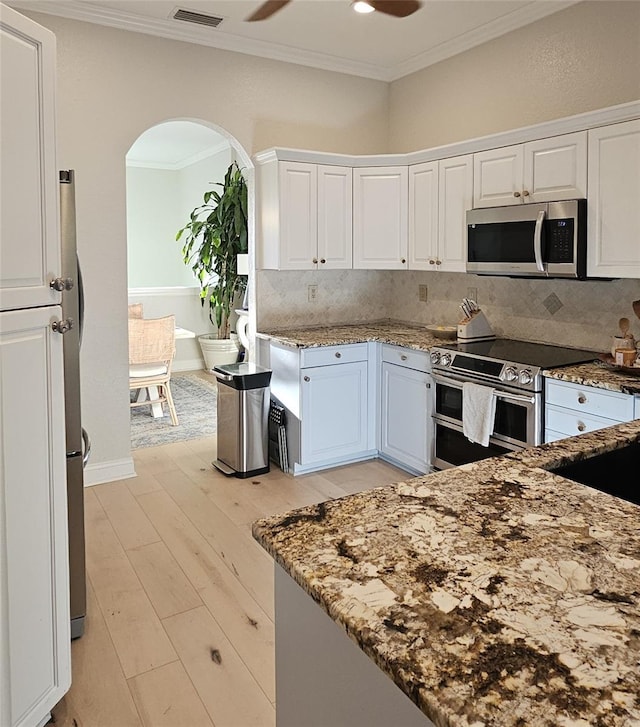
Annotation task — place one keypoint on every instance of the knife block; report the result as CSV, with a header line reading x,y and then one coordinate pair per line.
x,y
475,328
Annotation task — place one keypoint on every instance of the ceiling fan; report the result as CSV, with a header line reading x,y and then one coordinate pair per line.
x,y
397,8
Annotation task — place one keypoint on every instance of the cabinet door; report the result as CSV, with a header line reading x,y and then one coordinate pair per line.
x,y
423,216
334,411
34,578
555,168
298,188
497,176
380,218
406,416
29,244
455,197
613,214
335,218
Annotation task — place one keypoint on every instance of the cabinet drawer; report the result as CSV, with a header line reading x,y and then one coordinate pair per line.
x,y
588,399
571,422
328,355
418,360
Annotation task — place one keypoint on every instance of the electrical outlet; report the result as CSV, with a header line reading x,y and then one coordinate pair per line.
x,y
472,293
422,293
312,293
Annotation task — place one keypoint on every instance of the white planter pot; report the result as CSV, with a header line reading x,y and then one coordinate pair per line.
x,y
218,351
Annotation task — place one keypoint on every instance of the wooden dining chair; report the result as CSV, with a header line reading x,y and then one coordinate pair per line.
x,y
135,310
151,350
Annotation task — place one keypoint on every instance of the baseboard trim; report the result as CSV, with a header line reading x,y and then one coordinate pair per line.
x,y
115,469
193,364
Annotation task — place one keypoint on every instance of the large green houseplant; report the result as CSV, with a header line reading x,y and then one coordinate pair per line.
x,y
213,238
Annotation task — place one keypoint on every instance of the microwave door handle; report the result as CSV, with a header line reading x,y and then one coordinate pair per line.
x,y
537,241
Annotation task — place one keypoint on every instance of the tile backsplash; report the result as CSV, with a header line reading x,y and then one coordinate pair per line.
x,y
575,313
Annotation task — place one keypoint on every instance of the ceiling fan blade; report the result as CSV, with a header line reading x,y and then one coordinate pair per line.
x,y
397,8
267,9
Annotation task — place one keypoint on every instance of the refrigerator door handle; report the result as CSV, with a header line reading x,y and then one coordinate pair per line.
x,y
86,441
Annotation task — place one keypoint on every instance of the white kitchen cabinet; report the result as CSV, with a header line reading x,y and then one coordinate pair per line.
x,y
405,408
304,215
34,581
380,218
326,392
572,409
440,193
544,170
35,648
613,214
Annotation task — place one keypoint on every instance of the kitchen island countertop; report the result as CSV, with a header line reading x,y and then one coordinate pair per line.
x,y
494,593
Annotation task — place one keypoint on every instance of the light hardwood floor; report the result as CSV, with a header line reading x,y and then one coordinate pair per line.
x,y
179,629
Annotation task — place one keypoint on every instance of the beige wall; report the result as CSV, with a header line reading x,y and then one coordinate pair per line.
x,y
579,59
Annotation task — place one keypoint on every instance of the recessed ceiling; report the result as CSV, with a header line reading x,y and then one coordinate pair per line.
x,y
324,34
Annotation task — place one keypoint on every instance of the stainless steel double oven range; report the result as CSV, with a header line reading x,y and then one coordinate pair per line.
x,y
514,370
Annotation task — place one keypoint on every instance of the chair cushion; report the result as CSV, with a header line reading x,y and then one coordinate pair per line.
x,y
138,371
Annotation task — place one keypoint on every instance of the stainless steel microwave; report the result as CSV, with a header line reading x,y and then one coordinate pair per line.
x,y
546,240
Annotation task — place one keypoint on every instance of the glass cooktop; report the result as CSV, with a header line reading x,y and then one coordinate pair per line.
x,y
541,355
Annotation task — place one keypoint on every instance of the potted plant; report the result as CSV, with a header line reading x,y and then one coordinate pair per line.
x,y
215,234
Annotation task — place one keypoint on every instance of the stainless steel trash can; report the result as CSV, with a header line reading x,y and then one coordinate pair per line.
x,y
243,419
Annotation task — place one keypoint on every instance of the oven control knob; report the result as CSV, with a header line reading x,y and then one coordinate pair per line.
x,y
525,377
445,359
435,357
510,373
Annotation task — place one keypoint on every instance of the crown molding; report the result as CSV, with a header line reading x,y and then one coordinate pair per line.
x,y
183,163
211,37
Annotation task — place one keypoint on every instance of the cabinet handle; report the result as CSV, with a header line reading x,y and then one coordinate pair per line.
x,y
338,354
61,284
581,398
525,193
581,427
516,194
322,260
438,262
315,261
403,261
306,378
432,262
403,357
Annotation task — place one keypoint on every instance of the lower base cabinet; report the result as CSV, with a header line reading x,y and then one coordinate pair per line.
x,y
334,411
406,426
572,409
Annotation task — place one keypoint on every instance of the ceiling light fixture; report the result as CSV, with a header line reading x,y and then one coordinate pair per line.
x,y
361,6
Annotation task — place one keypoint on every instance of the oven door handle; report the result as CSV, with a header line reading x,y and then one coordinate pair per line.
x,y
457,383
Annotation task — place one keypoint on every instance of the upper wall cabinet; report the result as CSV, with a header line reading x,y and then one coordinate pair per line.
x,y
304,215
613,212
538,171
380,218
440,193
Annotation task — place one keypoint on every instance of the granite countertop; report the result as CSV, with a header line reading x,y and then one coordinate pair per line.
x,y
495,593
397,333
415,336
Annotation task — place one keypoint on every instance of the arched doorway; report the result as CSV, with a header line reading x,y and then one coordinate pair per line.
x,y
168,169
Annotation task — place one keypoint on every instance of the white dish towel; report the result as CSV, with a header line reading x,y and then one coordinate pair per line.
x,y
478,412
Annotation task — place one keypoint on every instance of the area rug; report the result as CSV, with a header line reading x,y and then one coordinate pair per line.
x,y
195,401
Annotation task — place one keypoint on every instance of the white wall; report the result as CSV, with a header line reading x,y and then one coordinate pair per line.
x,y
155,213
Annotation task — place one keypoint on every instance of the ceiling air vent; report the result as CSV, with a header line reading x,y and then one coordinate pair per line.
x,y
189,16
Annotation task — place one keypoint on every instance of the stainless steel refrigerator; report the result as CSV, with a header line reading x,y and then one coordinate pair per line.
x,y
77,441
